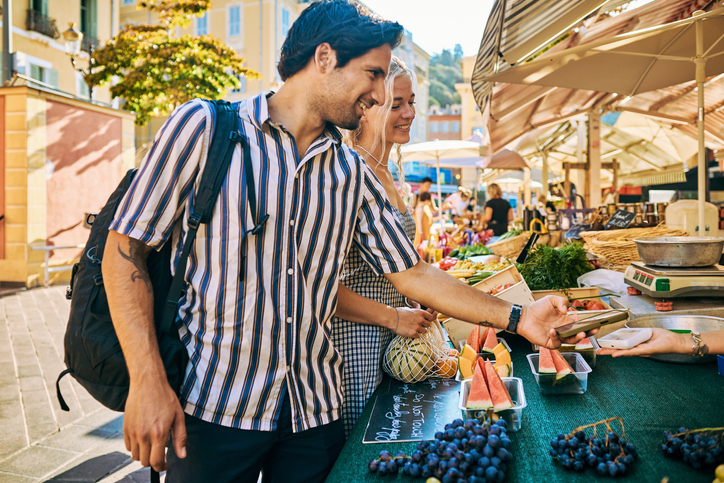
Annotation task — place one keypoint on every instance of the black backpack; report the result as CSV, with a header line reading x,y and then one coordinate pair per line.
x,y
93,354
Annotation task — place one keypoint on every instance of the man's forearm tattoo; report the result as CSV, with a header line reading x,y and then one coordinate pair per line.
x,y
136,257
485,323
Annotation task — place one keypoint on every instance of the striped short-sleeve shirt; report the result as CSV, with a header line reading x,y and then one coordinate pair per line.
x,y
258,326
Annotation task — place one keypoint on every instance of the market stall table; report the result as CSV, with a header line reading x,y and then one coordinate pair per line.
x,y
650,396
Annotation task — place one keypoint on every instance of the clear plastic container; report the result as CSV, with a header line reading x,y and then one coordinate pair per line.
x,y
573,383
512,416
483,354
589,355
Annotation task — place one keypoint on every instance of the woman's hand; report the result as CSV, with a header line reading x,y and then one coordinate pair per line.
x,y
662,341
539,320
412,322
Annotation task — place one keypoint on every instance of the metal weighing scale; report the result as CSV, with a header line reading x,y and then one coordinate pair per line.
x,y
667,282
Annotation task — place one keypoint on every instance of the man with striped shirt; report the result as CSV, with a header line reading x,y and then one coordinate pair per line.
x,y
262,389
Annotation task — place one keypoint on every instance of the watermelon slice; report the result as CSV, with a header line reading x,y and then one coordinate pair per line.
x,y
491,340
479,396
474,338
584,344
562,366
498,393
545,362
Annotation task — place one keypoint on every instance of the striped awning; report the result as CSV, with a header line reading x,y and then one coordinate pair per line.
x,y
654,179
518,29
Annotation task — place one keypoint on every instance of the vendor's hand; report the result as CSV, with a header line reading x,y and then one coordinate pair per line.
x,y
413,322
661,342
539,320
416,305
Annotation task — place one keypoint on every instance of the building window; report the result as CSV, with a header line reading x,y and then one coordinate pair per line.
x,y
81,87
444,126
202,25
455,126
242,81
285,22
433,126
44,74
234,21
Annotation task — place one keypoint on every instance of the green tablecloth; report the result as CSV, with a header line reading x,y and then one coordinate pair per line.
x,y
650,396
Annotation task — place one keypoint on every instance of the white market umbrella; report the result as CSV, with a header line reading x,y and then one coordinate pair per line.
x,y
439,151
636,62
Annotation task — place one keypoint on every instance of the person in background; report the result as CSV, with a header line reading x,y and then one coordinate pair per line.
x,y
423,218
425,185
498,212
546,204
361,341
666,342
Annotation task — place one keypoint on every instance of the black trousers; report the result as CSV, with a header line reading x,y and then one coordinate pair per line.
x,y
218,454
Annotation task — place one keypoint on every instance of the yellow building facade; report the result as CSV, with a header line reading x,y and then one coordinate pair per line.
x,y
471,117
60,155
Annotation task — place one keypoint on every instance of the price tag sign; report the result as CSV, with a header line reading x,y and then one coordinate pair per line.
x,y
413,412
620,219
575,231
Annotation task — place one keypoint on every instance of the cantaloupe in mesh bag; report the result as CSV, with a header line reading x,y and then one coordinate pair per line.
x,y
414,360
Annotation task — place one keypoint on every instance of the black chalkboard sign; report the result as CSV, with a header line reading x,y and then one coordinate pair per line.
x,y
413,412
620,219
575,231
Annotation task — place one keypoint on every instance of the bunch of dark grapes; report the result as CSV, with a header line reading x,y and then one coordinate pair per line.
x,y
699,448
611,456
476,451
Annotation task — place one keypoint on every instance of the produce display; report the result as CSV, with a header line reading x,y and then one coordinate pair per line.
x,y
698,447
472,273
486,343
587,304
473,250
500,288
414,360
478,450
553,369
549,268
510,234
610,456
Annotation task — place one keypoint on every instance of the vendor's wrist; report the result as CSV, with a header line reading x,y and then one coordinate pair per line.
x,y
390,319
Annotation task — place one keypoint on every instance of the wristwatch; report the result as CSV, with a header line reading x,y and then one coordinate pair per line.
x,y
515,311
699,347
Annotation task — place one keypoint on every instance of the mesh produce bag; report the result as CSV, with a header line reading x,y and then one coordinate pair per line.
x,y
414,360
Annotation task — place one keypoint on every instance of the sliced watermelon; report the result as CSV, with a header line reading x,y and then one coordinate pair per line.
x,y
545,362
479,396
474,338
491,340
498,393
584,344
562,366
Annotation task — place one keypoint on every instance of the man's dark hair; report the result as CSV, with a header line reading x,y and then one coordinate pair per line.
x,y
348,27
426,196
426,180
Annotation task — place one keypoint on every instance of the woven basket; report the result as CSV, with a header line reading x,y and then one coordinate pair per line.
x,y
618,247
510,247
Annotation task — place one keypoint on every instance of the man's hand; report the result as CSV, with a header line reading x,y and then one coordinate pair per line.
x,y
413,322
538,321
152,412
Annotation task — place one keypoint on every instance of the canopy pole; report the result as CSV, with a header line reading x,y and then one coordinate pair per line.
x,y
544,169
439,194
700,63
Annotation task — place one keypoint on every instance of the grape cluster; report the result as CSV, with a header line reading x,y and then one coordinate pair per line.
x,y
476,451
699,448
611,456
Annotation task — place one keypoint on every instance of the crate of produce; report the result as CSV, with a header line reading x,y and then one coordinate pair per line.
x,y
618,247
512,416
589,293
574,382
507,285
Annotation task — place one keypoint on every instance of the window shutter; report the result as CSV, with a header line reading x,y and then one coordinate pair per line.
x,y
51,77
36,73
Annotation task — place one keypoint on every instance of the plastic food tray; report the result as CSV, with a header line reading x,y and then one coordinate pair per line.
x,y
573,383
512,416
589,355
459,378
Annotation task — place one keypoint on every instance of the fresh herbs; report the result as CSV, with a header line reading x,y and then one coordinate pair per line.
x,y
547,268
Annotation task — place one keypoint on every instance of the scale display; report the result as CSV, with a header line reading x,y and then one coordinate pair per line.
x,y
665,282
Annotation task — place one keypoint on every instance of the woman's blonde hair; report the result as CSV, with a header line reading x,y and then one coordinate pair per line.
x,y
397,69
494,191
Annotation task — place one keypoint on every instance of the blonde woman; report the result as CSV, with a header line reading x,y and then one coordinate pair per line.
x,y
498,212
369,298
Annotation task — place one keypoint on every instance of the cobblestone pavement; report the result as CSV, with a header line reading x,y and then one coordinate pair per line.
x,y
38,441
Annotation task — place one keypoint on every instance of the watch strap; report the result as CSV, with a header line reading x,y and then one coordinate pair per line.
x,y
515,312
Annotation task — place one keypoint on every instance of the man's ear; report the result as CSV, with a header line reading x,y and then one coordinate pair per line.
x,y
325,58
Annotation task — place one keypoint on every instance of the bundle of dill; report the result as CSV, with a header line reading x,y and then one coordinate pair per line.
x,y
548,268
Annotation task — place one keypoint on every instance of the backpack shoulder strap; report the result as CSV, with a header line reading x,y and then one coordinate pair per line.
x,y
221,150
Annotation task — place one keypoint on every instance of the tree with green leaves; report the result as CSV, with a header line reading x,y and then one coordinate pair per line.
x,y
157,71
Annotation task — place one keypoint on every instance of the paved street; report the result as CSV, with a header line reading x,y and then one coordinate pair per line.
x,y
38,441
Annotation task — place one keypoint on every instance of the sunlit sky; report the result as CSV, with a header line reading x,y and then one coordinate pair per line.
x,y
438,25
